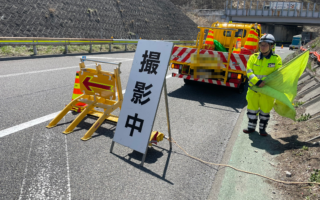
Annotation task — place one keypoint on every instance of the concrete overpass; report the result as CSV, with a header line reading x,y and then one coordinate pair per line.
x,y
262,12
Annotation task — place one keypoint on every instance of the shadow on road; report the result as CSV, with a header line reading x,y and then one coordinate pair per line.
x,y
212,94
152,156
275,147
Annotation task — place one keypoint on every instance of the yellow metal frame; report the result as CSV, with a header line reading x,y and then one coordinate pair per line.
x,y
244,26
93,101
200,44
218,28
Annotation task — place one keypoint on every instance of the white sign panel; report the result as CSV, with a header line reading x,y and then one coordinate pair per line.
x,y
285,5
142,95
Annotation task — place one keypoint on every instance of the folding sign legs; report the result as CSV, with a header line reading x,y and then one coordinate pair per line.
x,y
98,123
80,117
54,122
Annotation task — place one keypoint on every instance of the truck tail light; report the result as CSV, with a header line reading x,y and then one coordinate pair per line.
x,y
234,76
175,66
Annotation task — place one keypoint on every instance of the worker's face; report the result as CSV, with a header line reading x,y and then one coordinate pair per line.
x,y
264,47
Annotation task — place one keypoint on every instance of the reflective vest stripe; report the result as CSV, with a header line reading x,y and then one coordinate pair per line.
x,y
249,71
251,76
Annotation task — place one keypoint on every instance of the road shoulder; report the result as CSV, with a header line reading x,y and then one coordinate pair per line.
x,y
249,152
226,157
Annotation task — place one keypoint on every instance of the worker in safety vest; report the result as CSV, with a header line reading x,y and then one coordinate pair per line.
x,y
259,66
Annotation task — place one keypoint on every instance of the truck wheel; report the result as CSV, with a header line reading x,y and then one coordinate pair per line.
x,y
241,88
188,82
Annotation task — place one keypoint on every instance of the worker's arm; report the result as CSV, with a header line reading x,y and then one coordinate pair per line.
x,y
250,74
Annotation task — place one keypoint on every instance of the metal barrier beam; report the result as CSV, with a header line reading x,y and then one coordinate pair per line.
x,y
33,41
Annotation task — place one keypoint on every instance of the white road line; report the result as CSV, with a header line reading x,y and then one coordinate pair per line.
x,y
68,169
57,69
37,121
89,57
26,169
28,124
40,71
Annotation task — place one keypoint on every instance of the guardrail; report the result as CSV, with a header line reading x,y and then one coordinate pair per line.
x,y
34,41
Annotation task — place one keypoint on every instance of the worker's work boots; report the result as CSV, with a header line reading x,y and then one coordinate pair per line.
x,y
251,126
263,127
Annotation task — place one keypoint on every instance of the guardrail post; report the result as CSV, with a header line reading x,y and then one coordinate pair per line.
x,y
65,49
90,48
110,48
35,49
125,47
314,8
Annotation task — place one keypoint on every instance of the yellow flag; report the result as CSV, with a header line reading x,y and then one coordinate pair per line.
x,y
282,85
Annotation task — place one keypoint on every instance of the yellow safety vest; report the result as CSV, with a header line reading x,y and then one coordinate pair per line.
x,y
259,67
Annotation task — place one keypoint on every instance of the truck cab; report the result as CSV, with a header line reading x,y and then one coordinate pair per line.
x,y
296,42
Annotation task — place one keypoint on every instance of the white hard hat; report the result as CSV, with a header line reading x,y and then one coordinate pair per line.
x,y
268,38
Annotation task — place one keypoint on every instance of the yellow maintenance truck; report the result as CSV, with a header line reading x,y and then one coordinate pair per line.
x,y
220,55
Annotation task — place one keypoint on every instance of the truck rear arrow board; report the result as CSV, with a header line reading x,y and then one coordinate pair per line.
x,y
90,84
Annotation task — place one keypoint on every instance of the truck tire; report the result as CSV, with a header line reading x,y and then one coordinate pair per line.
x,y
240,90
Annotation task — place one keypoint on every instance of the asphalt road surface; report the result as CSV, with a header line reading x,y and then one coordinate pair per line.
x,y
41,163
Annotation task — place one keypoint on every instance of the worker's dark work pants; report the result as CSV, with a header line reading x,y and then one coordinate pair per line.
x,y
258,104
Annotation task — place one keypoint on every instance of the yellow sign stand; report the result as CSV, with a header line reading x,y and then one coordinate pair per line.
x,y
99,90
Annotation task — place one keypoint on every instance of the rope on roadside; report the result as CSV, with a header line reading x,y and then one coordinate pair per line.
x,y
279,181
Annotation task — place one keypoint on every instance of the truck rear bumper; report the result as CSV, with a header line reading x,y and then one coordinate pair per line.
x,y
205,80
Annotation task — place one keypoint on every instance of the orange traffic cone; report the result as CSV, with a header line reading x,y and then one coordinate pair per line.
x,y
209,43
237,46
281,46
77,92
251,43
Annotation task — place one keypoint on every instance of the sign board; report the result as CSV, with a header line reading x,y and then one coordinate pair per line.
x,y
285,5
143,92
93,82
